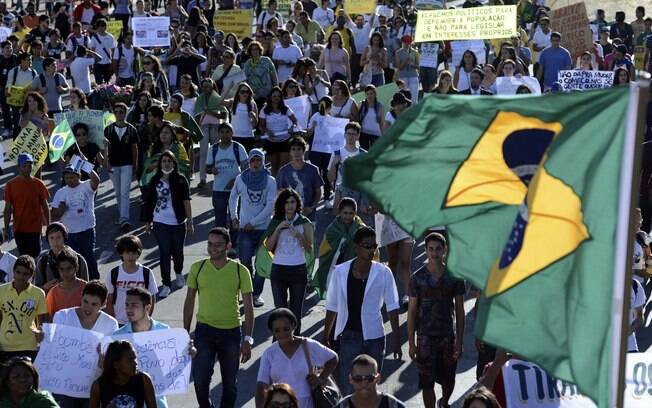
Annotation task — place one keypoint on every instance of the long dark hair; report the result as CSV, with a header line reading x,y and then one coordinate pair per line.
x,y
236,47
83,102
617,71
113,354
328,43
136,109
157,146
14,363
281,199
156,63
159,174
281,105
289,81
475,59
40,101
284,389
250,99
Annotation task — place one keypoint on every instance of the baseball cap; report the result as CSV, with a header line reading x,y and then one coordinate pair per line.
x,y
25,158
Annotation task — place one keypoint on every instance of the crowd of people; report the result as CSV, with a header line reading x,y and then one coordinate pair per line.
x,y
208,115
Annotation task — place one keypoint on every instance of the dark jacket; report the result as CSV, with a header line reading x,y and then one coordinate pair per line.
x,y
468,92
179,189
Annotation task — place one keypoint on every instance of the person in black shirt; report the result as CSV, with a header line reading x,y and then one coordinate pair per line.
x,y
8,60
187,60
40,32
84,148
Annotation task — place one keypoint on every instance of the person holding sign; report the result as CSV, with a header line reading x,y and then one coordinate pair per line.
x,y
19,386
19,80
22,310
121,383
217,334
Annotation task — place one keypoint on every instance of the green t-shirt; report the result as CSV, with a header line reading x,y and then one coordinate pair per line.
x,y
34,399
218,291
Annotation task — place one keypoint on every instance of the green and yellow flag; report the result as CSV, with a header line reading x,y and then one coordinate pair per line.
x,y
528,188
60,140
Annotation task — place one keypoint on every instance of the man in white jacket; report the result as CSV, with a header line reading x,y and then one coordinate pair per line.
x,y
256,190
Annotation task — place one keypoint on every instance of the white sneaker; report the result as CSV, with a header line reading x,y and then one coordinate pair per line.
x,y
164,292
258,301
180,282
329,204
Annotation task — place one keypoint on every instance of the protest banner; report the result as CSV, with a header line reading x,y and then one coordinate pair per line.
x,y
609,6
360,6
576,80
67,360
429,55
16,95
301,108
508,85
573,24
466,24
384,95
114,27
332,138
477,46
30,140
94,119
163,354
151,31
638,380
234,21
528,386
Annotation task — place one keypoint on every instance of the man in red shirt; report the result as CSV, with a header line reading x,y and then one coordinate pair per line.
x,y
26,199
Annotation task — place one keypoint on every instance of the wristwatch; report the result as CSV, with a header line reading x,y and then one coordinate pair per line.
x,y
249,340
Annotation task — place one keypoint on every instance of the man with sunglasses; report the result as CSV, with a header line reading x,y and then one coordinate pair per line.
x,y
364,378
354,300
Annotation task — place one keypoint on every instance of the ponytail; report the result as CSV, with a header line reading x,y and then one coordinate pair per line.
x,y
325,103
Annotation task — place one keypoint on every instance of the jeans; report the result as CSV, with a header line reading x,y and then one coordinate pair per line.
x,y
248,242
170,239
352,345
223,344
321,160
84,243
65,401
121,179
221,208
210,138
292,279
28,243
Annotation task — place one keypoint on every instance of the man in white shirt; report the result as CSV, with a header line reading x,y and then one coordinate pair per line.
x,y
123,60
80,68
361,34
22,76
75,39
356,293
103,43
285,56
324,15
268,14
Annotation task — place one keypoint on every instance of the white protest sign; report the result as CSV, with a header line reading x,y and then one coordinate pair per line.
x,y
529,386
577,80
332,137
151,31
163,354
477,46
5,32
80,164
508,85
94,119
301,108
638,380
429,55
67,360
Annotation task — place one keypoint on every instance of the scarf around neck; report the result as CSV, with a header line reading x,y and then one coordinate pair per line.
x,y
255,180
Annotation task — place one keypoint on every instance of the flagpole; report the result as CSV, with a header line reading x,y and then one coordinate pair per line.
x,y
630,182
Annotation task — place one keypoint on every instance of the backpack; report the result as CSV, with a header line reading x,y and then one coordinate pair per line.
x,y
97,37
201,266
16,68
114,279
57,81
75,44
236,151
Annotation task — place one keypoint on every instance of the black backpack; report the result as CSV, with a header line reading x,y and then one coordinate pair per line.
x,y
114,279
57,80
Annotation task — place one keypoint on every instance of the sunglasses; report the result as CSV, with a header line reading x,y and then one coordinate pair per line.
x,y
368,247
363,378
147,62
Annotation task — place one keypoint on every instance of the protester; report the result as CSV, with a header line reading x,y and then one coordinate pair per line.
x,y
167,212
276,123
121,380
293,360
19,386
364,377
25,199
217,333
47,269
68,292
552,60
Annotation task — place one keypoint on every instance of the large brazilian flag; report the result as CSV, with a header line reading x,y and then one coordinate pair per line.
x,y
528,188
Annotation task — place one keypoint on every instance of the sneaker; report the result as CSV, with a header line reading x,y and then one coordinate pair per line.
x,y
180,282
258,301
125,225
164,292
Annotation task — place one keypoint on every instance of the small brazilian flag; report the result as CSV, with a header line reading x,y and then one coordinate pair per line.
x,y
60,140
528,188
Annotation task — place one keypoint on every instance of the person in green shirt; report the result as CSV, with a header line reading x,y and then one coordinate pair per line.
x,y
307,29
19,387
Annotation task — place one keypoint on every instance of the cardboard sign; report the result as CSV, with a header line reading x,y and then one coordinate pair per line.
x,y
163,354
67,360
151,31
528,386
301,108
30,140
114,27
429,55
509,85
573,24
576,80
360,6
477,46
94,119
609,6
16,95
332,136
466,24
234,21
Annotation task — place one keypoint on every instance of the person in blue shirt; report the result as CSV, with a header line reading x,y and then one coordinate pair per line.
x,y
552,60
138,304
